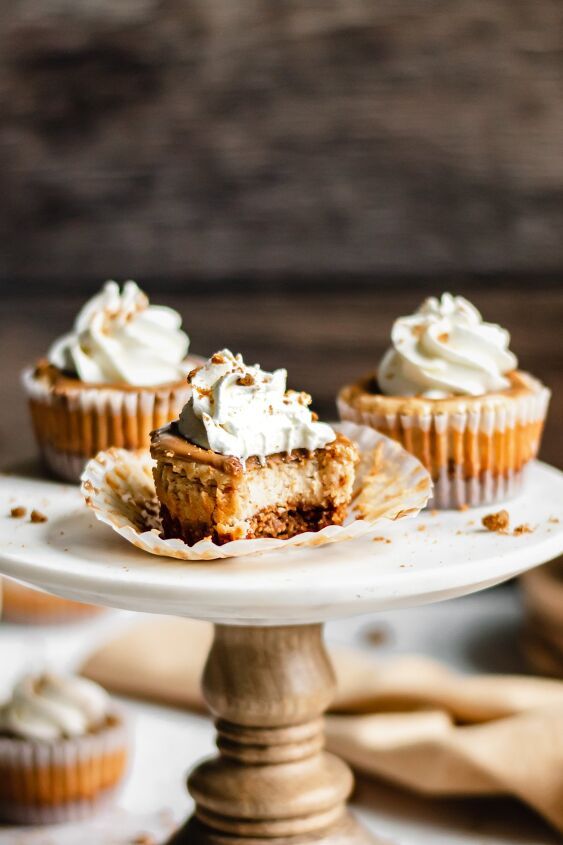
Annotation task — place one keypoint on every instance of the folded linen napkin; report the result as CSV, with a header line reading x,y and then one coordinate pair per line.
x,y
409,720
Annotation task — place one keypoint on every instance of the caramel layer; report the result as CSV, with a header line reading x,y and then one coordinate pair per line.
x,y
168,446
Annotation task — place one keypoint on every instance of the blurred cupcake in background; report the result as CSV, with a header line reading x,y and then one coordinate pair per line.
x,y
64,749
28,606
119,374
448,389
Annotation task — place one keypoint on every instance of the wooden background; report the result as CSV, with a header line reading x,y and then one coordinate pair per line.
x,y
325,337
214,139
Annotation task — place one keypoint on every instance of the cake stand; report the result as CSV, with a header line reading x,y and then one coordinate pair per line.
x,y
268,678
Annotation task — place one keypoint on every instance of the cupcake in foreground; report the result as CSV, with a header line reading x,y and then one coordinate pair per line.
x,y
28,606
117,375
249,459
63,750
449,390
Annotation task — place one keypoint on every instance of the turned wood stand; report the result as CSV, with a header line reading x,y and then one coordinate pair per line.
x,y
272,782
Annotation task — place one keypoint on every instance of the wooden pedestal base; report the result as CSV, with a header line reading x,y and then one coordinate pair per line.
x,y
272,783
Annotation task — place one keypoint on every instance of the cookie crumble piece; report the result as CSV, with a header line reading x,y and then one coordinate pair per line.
x,y
246,380
523,529
18,512
37,516
498,522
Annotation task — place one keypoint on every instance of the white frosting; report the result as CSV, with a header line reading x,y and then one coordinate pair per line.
x,y
48,707
119,337
446,349
242,411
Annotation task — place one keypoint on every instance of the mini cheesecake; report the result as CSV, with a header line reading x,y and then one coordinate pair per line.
x,y
249,459
207,495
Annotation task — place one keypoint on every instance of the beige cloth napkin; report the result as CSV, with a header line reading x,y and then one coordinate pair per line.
x,y
410,720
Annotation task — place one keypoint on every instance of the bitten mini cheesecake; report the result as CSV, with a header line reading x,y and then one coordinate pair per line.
x,y
448,389
63,750
247,459
117,375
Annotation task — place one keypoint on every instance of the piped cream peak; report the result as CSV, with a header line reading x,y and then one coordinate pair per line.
x,y
242,410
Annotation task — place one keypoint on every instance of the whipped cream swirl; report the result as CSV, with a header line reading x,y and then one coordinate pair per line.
x,y
47,707
446,349
242,411
119,337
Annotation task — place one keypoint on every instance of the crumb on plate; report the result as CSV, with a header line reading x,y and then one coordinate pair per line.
x,y
498,522
523,529
18,512
37,516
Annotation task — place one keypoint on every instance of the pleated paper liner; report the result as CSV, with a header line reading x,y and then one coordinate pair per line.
x,y
390,484
47,782
477,451
74,421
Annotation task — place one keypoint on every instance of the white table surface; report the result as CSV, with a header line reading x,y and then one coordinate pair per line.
x,y
476,633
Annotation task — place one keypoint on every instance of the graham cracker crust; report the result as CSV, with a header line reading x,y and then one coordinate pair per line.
x,y
269,522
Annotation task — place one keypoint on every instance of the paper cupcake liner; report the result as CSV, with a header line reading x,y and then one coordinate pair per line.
x,y
74,423
63,780
390,484
476,455
26,605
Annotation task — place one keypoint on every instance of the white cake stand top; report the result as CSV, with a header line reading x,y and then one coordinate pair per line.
x,y
437,556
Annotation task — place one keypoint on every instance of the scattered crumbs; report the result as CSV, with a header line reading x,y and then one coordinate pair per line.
x,y
421,528
376,635
246,380
65,550
444,337
143,839
406,565
433,512
459,532
554,520
464,507
523,529
381,540
62,533
192,373
498,522
37,516
18,512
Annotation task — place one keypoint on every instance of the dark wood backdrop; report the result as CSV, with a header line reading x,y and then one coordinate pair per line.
x,y
216,139
324,337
